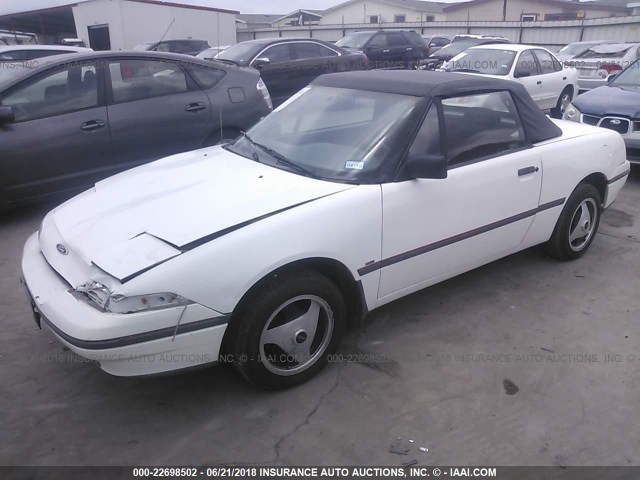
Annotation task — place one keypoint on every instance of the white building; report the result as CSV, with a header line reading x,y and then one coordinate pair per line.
x,y
382,11
120,24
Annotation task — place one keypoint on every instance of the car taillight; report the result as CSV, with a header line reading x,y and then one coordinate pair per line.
x,y
611,68
262,88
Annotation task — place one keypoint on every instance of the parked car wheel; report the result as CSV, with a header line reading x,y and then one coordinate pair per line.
x,y
563,102
577,225
283,334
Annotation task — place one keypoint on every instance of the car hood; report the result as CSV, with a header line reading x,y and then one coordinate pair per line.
x,y
610,100
142,217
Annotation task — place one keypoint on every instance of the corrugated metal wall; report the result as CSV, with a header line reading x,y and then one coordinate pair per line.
x,y
550,34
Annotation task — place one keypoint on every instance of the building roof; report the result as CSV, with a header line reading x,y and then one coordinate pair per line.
x,y
418,5
258,17
16,8
297,13
611,5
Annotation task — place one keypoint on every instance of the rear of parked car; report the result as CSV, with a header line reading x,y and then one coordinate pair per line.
x,y
597,64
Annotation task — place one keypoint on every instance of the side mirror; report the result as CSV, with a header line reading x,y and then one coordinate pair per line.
x,y
427,166
261,62
612,77
6,115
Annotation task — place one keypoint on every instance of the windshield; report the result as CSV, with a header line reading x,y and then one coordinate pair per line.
x,y
605,51
629,78
488,61
453,49
355,40
241,53
576,48
334,133
144,46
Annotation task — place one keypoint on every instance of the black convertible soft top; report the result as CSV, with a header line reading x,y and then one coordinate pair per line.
x,y
419,83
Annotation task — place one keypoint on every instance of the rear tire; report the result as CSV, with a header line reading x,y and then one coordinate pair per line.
x,y
284,333
577,225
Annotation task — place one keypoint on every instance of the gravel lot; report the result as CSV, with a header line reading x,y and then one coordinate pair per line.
x,y
524,361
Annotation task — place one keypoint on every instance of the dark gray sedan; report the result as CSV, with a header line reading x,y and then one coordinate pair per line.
x,y
75,119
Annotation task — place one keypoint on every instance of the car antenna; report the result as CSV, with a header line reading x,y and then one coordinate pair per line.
x,y
165,34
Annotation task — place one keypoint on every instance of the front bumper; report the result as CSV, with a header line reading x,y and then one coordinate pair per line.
x,y
134,344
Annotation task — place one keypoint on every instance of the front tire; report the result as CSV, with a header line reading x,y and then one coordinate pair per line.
x,y
563,102
577,225
284,333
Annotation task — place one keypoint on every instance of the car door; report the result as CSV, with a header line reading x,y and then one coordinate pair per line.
x,y
377,49
60,138
527,72
553,80
400,49
437,228
155,109
310,59
274,64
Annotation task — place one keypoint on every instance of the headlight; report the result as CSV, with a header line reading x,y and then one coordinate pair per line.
x,y
100,297
572,113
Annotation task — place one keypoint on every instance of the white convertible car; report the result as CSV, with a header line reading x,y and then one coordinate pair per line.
x,y
551,85
359,190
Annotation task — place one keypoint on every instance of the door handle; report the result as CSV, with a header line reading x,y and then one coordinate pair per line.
x,y
194,107
92,125
539,82
527,171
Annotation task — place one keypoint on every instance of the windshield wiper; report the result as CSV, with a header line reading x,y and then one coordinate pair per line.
x,y
281,159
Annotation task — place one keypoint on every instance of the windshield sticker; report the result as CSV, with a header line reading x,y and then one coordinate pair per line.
x,y
354,165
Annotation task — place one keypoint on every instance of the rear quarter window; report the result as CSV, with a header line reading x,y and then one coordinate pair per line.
x,y
206,77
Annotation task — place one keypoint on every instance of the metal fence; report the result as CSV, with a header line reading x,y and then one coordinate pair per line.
x,y
551,34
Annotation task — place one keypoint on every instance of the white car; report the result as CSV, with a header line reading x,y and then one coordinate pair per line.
x,y
22,53
596,65
551,85
359,190
15,59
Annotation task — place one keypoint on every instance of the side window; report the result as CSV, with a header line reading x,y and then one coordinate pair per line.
x,y
379,40
428,140
546,62
557,66
306,50
480,126
140,79
206,77
396,40
63,91
277,53
526,66
440,42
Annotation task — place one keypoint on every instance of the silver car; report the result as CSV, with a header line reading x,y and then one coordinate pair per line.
x,y
568,52
597,64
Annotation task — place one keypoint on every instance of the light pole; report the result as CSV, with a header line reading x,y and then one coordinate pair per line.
x,y
504,10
